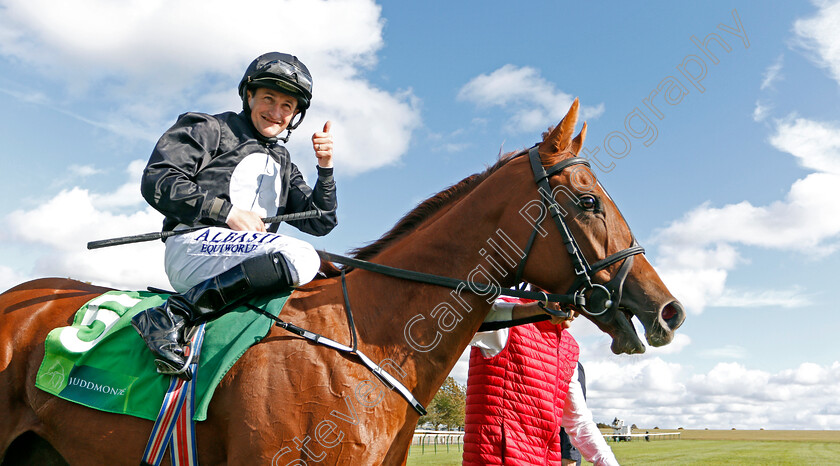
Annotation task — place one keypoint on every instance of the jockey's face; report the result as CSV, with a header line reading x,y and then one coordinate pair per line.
x,y
271,111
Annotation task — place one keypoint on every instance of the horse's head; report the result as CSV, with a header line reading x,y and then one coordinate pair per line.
x,y
611,271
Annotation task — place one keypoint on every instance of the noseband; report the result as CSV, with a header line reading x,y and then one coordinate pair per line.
x,y
602,297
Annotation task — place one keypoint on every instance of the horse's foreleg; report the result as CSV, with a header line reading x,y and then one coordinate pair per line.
x,y
29,449
17,422
18,416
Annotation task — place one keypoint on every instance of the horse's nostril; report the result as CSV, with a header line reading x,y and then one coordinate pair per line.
x,y
673,315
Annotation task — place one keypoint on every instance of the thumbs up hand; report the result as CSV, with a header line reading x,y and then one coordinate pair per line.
x,y
322,143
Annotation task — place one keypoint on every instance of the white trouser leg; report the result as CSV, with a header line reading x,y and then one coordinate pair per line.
x,y
194,257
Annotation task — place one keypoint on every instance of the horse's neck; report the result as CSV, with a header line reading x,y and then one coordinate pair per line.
x,y
429,326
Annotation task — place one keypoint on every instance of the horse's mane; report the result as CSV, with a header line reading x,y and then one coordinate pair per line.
x,y
428,208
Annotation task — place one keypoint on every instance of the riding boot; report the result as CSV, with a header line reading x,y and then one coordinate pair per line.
x,y
162,330
163,327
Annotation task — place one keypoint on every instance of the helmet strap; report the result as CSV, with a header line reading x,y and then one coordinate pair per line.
x,y
288,135
293,125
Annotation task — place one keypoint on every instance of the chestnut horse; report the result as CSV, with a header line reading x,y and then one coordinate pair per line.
x,y
288,401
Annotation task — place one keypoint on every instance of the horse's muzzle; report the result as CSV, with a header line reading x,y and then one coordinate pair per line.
x,y
671,316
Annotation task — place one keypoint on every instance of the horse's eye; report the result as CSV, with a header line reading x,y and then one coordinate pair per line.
x,y
588,202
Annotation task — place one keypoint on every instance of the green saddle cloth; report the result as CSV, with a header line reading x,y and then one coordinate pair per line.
x,y
100,361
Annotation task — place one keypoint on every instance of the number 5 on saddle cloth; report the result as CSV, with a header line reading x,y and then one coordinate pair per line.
x,y
101,362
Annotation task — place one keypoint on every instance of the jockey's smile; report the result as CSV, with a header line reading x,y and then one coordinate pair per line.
x,y
271,111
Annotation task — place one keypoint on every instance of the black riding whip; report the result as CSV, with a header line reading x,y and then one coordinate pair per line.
x,y
104,243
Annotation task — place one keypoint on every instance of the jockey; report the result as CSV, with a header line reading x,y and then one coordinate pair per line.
x,y
228,171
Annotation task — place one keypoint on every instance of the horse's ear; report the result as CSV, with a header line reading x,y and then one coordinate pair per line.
x,y
560,137
577,142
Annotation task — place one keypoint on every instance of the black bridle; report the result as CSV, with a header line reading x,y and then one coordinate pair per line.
x,y
602,297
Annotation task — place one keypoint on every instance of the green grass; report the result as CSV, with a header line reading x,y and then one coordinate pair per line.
x,y
442,458
687,452
730,452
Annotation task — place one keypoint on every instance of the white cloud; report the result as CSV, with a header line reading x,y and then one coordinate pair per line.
x,y
453,147
149,61
680,342
371,129
761,110
815,144
730,379
806,374
126,195
83,170
9,278
694,286
459,372
138,40
651,392
725,352
802,222
821,36
28,97
696,252
772,73
533,99
59,229
790,298
695,273
729,395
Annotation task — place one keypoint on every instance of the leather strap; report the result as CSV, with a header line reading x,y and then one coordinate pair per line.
x,y
447,282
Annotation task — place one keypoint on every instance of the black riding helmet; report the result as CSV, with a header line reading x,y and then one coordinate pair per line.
x,y
281,72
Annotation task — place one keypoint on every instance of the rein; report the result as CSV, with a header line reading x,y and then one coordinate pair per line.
x,y
602,298
454,283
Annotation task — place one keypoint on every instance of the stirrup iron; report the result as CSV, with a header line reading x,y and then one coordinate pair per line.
x,y
165,367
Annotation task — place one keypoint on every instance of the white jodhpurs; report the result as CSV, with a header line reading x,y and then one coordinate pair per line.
x,y
194,257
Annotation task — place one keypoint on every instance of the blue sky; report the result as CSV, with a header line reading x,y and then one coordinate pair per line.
x,y
733,193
